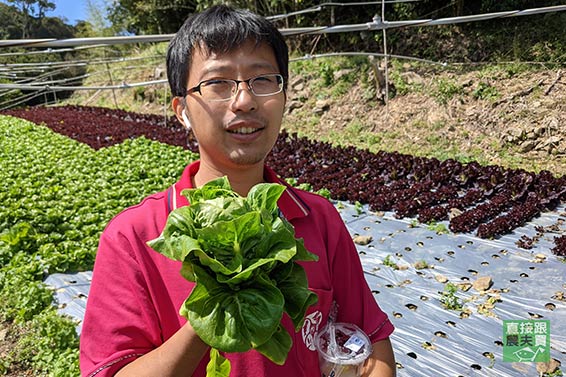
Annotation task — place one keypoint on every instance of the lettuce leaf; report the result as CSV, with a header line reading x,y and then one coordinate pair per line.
x,y
218,366
242,256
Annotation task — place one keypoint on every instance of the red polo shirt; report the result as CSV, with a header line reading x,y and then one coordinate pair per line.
x,y
135,296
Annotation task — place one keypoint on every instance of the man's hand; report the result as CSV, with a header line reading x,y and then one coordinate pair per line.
x,y
178,356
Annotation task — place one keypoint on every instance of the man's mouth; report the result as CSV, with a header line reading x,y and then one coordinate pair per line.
x,y
244,130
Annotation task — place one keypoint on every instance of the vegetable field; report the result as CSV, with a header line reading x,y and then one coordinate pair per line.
x,y
62,181
57,194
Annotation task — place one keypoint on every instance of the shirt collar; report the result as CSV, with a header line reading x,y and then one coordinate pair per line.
x,y
290,203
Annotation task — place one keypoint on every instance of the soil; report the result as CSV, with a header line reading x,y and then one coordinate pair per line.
x,y
522,124
9,335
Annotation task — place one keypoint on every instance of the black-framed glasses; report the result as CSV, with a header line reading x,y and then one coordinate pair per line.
x,y
226,89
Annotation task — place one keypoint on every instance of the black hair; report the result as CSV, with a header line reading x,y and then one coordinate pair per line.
x,y
220,29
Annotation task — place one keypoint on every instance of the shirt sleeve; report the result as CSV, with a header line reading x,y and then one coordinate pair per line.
x,y
355,300
120,322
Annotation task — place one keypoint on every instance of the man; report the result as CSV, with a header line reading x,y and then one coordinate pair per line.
x,y
228,71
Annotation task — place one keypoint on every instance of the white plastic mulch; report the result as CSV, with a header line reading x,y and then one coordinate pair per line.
x,y
431,340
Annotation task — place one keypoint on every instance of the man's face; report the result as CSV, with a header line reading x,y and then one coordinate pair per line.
x,y
240,132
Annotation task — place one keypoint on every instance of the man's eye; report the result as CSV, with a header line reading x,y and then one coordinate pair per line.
x,y
215,83
264,79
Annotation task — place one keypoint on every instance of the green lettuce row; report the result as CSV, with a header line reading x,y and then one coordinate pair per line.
x,y
57,196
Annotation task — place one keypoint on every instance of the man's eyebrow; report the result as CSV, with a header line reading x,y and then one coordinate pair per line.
x,y
227,68
264,65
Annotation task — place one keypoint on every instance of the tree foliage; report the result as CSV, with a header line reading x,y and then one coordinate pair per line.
x,y
166,16
474,41
26,20
31,13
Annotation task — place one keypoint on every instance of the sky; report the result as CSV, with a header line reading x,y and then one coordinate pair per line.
x,y
72,10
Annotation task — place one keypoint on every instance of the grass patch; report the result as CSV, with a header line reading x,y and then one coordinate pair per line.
x,y
446,89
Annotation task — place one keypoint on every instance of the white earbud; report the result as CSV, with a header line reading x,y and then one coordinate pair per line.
x,y
186,120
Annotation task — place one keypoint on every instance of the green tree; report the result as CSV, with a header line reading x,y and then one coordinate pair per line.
x,y
150,17
52,27
31,11
166,16
8,29
97,17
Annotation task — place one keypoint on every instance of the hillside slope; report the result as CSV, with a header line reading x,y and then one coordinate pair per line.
x,y
492,117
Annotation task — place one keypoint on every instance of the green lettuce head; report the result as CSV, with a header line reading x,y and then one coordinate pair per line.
x,y
242,256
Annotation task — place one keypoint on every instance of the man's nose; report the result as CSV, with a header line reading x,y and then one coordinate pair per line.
x,y
244,99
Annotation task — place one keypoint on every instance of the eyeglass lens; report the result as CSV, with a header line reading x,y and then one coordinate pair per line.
x,y
263,85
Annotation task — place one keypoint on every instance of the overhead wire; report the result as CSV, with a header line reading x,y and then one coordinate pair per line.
x,y
39,83
53,50
368,26
79,62
318,8
379,24
123,85
355,53
50,74
70,42
48,86
20,100
29,76
439,9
